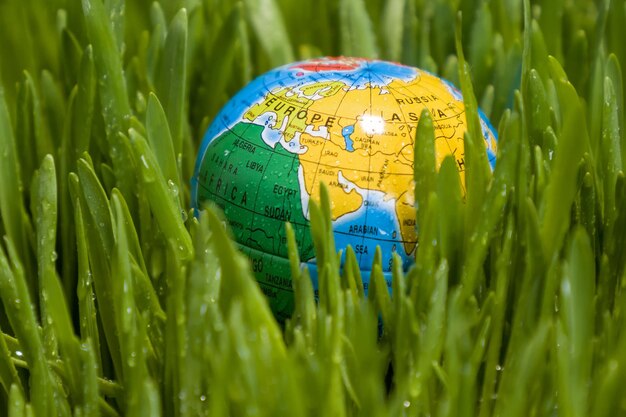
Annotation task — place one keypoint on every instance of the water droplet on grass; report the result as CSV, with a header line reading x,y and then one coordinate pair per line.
x,y
173,188
144,161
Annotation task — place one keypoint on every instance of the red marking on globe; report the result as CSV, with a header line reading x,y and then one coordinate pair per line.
x,y
330,64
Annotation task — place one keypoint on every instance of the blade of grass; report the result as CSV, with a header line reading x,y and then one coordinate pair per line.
x,y
430,347
351,268
171,81
305,312
379,293
224,50
610,154
29,128
392,32
239,274
522,370
160,139
157,39
53,109
176,373
58,315
132,331
44,198
14,218
560,191
21,315
480,45
477,166
113,94
115,10
108,64
275,42
16,406
71,53
576,326
492,361
451,220
146,299
99,227
492,208
84,109
356,33
8,372
202,318
162,199
89,381
424,173
87,312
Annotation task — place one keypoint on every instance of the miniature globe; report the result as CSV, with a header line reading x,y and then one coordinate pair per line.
x,y
346,122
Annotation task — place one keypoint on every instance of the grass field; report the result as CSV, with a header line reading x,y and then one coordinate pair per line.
x,y
115,304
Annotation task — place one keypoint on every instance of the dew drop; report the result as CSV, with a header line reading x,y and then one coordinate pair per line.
x,y
144,161
132,359
173,188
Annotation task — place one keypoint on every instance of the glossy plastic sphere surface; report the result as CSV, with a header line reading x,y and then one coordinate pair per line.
x,y
347,122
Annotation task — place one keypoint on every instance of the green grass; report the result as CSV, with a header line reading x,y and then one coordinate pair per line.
x,y
117,301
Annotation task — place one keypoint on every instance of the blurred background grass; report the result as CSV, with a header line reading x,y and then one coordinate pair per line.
x,y
117,302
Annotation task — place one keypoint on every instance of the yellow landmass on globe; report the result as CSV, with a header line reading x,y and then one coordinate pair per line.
x,y
362,139
324,88
369,143
405,210
289,107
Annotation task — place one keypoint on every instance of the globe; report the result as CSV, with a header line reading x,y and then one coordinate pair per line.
x,y
347,122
